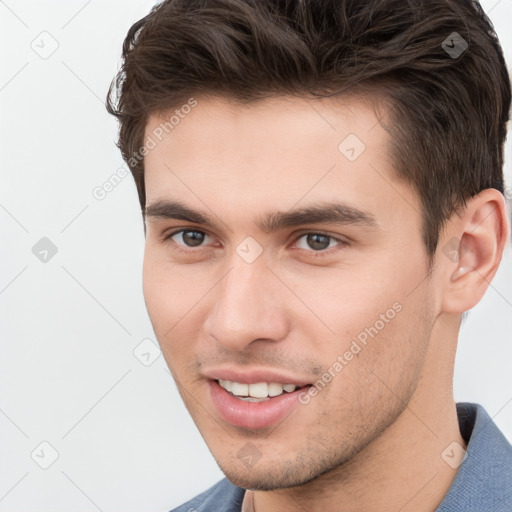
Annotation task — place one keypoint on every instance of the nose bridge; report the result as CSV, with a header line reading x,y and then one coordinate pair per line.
x,y
247,306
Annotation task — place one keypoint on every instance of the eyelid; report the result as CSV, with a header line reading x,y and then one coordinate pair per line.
x,y
337,237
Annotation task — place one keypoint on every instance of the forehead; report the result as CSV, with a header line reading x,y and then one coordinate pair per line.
x,y
280,121
266,133
276,152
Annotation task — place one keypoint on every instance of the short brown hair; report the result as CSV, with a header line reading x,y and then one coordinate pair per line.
x,y
449,109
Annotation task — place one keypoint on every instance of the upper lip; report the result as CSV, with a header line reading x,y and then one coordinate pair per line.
x,y
252,376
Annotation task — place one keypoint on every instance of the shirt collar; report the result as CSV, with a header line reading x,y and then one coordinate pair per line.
x,y
484,479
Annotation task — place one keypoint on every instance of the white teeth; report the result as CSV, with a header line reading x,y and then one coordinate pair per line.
x,y
239,389
226,384
275,389
257,390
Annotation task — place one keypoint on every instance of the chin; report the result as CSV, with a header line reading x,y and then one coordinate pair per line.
x,y
261,483
265,479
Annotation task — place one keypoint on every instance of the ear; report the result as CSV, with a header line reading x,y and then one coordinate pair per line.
x,y
470,250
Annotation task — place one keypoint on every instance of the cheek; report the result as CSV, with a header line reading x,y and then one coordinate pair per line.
x,y
393,346
173,297
165,295
366,320
158,295
344,303
367,382
166,290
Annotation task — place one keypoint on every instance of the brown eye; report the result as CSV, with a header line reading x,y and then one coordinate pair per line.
x,y
188,237
316,242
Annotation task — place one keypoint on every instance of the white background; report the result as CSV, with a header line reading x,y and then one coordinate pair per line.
x,y
69,326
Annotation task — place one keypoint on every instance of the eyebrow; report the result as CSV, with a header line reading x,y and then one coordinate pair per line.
x,y
327,212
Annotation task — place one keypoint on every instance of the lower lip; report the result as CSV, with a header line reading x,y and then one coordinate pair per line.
x,y
253,414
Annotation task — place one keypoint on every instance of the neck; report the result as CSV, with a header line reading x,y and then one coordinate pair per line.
x,y
404,468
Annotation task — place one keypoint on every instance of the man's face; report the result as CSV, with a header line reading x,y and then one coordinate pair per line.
x,y
262,295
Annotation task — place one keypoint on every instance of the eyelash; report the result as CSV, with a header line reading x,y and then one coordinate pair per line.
x,y
313,253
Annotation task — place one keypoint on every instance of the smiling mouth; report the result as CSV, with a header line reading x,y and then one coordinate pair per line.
x,y
257,392
237,404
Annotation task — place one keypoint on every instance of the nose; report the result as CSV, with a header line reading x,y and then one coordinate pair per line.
x,y
249,304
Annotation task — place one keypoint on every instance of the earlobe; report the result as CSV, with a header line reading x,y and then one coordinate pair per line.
x,y
473,252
